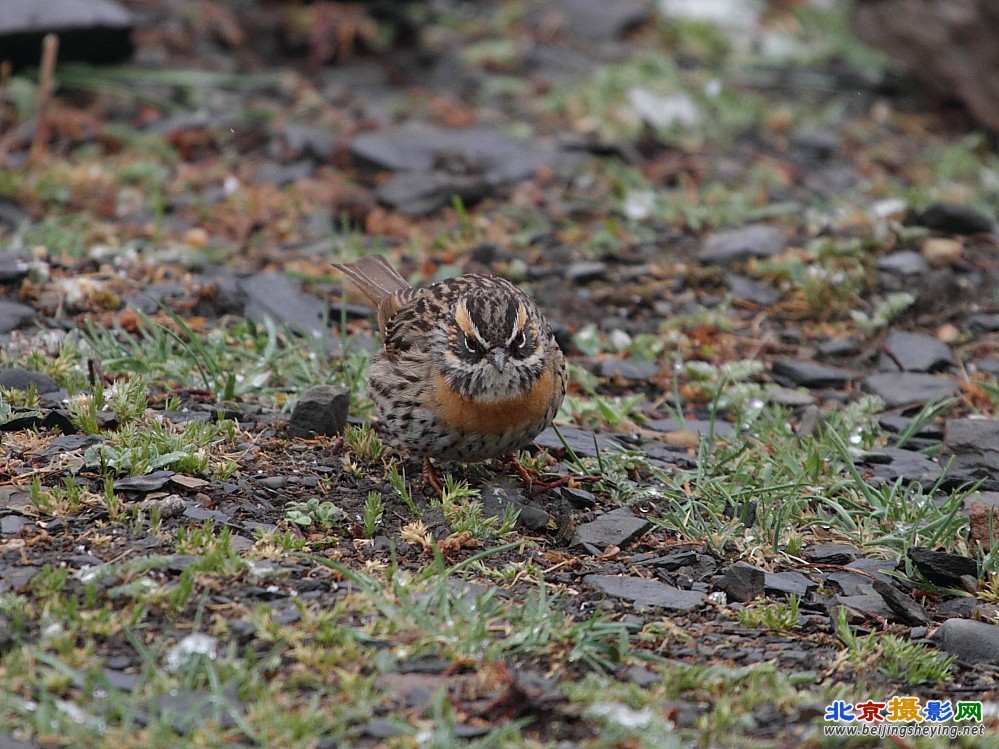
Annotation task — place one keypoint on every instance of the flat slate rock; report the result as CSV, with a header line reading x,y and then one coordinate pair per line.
x,y
751,291
903,263
788,583
971,641
9,742
915,352
499,157
811,374
831,553
896,422
646,593
14,315
974,445
150,482
850,583
892,463
951,218
868,603
734,245
583,442
316,142
13,267
943,568
422,193
280,298
16,378
701,427
322,410
904,609
984,322
899,389
498,497
614,528
600,21
89,30
584,271
632,370
742,582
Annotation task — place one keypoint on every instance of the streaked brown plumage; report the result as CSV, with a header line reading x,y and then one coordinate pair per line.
x,y
469,368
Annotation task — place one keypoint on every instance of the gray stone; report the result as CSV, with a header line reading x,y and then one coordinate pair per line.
x,y
614,528
788,583
896,422
91,30
984,322
646,593
952,218
499,157
870,603
11,525
584,271
702,427
877,569
584,443
751,291
850,583
788,397
322,410
147,483
899,389
316,142
734,245
943,568
915,352
814,146
9,742
499,496
837,347
16,378
971,641
903,263
891,463
974,445
194,511
14,315
600,21
742,582
279,175
830,553
13,268
904,609
633,370
422,193
281,299
963,608
811,374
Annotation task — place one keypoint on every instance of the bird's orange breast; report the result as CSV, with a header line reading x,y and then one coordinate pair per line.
x,y
466,415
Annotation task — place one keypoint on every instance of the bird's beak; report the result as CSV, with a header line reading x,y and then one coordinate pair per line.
x,y
498,357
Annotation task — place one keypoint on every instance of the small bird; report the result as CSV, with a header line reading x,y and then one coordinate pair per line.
x,y
469,369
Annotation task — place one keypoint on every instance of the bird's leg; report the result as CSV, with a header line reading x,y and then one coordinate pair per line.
x,y
533,478
431,475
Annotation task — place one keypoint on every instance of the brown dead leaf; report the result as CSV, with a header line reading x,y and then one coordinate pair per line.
x,y
457,542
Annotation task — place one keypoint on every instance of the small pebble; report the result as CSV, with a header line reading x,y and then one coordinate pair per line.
x,y
942,251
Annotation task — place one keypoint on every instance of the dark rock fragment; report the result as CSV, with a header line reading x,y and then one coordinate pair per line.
x,y
322,410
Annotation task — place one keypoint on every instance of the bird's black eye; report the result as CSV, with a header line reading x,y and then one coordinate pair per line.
x,y
472,346
523,345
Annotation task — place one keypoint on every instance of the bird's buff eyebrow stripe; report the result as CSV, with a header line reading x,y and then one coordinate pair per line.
x,y
464,320
518,327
